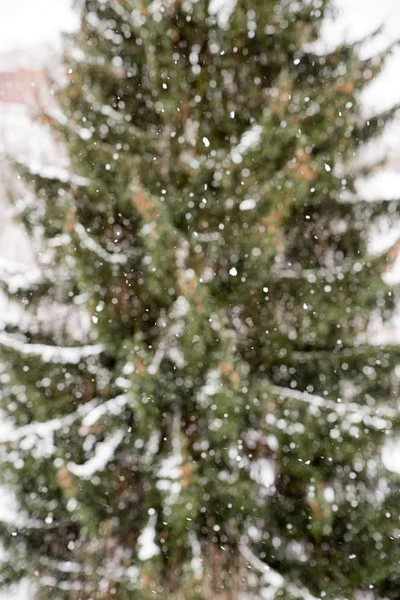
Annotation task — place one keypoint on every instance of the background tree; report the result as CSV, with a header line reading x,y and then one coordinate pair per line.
x,y
217,430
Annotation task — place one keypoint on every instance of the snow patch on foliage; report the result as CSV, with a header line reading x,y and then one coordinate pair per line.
x,y
16,276
377,419
104,452
147,546
250,140
24,590
57,173
169,471
391,456
90,244
180,308
210,388
383,185
59,240
222,10
170,467
262,471
9,511
248,204
38,437
273,580
173,328
50,354
383,236
113,407
197,561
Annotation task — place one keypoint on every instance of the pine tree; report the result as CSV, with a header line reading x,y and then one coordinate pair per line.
x,y
216,432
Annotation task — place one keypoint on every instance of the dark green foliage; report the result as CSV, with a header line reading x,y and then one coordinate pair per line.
x,y
226,397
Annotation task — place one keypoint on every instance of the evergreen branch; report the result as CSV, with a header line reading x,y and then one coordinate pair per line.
x,y
76,586
132,132
17,277
339,407
45,428
90,413
51,172
90,244
271,577
113,406
112,570
11,267
58,241
104,452
50,354
312,274
62,566
341,353
250,140
22,522
373,125
12,285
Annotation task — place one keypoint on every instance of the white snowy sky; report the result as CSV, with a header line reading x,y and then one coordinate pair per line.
x,y
26,23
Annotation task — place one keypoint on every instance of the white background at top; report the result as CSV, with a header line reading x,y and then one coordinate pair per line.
x,y
26,23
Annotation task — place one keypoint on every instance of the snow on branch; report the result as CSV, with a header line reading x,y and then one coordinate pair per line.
x,y
12,516
67,585
112,569
16,276
45,429
378,416
50,354
104,452
90,244
271,578
341,353
114,406
12,267
313,275
222,10
249,140
382,185
90,413
146,541
56,173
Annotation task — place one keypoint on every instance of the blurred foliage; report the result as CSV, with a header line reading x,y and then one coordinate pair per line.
x,y
226,436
